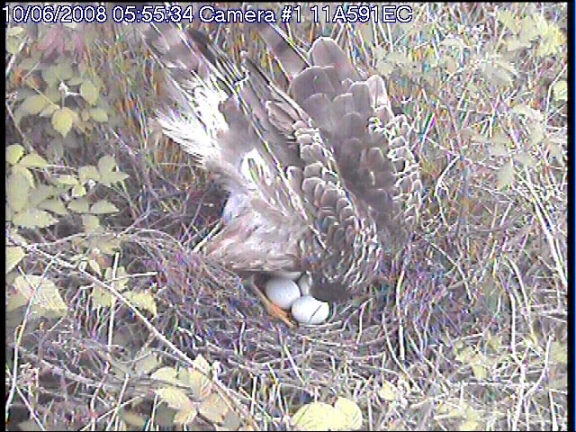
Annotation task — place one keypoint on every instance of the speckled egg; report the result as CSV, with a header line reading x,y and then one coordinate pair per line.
x,y
282,292
308,310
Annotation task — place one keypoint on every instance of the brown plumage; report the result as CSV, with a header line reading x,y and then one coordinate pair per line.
x,y
320,177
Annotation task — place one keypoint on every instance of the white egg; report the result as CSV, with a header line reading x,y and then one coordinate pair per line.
x,y
308,310
287,274
282,292
305,283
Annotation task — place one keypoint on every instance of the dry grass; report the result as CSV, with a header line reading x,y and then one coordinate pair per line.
x,y
470,332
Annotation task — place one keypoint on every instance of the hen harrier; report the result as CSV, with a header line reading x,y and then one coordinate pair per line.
x,y
320,177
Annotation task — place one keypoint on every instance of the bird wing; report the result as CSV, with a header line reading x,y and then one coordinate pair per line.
x,y
371,144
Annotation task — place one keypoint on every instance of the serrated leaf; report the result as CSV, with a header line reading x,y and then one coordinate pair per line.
x,y
525,159
113,177
498,150
89,92
62,120
34,104
118,278
13,153
468,425
41,193
143,300
15,31
559,352
78,191
528,30
560,91
167,374
74,81
175,398
106,164
147,363
33,160
134,419
102,298
388,391
479,371
505,176
17,191
90,222
95,266
103,207
64,70
198,382
41,293
66,180
88,172
16,301
49,110
214,408
185,417
25,172
530,113
515,44
14,254
351,411
14,45
319,416
55,206
79,205
99,115
33,218
509,20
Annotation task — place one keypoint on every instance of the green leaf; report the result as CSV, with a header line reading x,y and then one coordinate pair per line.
x,y
559,352
41,193
33,160
14,254
505,176
42,294
13,153
79,205
103,207
25,172
509,20
351,411
90,223
319,416
525,159
78,191
175,398
388,391
62,120
89,92
88,172
17,191
529,112
214,408
560,91
34,104
55,206
33,218
102,298
66,180
499,150
166,374
99,115
143,300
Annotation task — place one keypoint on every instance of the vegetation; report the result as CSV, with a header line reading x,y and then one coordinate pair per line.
x,y
116,322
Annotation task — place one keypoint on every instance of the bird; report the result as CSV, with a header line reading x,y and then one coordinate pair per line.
x,y
320,176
